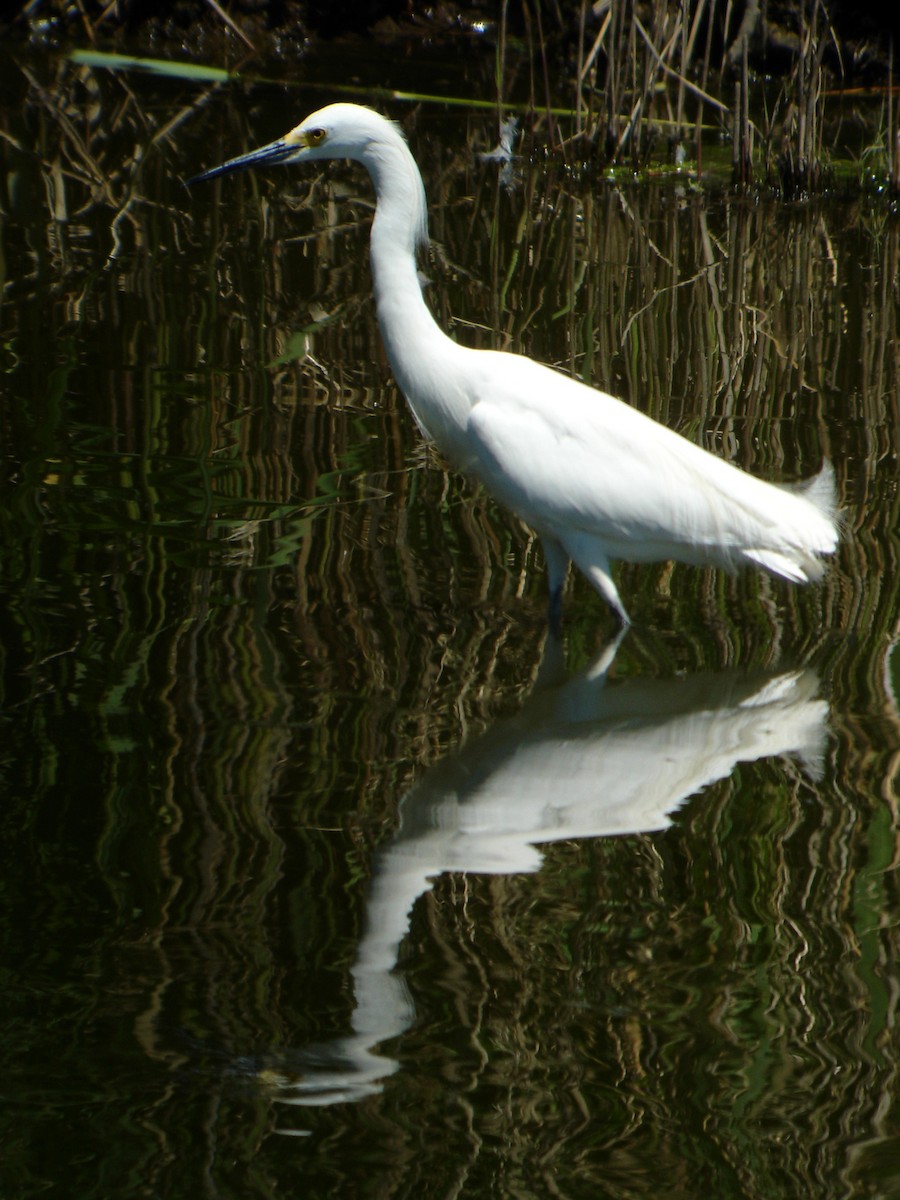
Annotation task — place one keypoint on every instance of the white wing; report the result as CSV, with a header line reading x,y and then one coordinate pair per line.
x,y
574,461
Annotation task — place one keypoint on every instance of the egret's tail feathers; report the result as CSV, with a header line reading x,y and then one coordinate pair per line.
x,y
821,492
810,531
781,564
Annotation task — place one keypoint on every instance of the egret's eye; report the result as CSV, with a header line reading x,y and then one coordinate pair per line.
x,y
315,137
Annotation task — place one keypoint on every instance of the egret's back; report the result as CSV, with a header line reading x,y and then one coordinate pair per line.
x,y
603,479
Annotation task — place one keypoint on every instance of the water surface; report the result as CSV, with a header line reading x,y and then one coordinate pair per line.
x,y
323,871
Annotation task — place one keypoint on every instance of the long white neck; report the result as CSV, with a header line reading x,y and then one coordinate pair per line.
x,y
421,355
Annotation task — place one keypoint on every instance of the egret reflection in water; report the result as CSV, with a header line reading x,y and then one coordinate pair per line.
x,y
581,759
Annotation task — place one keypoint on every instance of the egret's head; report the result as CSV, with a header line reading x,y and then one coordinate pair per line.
x,y
338,131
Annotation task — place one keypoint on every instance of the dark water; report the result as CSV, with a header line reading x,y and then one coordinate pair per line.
x,y
323,872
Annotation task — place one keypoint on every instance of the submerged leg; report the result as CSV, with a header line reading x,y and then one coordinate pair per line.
x,y
557,560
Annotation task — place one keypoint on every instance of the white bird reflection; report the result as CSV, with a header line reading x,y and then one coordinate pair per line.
x,y
580,760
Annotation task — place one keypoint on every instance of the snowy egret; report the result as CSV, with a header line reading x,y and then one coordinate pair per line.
x,y
595,478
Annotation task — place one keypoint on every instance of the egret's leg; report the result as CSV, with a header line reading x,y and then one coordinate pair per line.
x,y
596,566
551,671
557,560
602,581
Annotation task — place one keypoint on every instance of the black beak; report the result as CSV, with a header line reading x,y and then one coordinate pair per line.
x,y
275,152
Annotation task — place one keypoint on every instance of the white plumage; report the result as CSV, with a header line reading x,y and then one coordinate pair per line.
x,y
595,478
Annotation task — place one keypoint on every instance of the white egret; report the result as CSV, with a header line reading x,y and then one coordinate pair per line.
x,y
595,478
